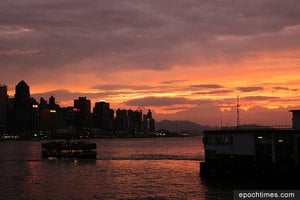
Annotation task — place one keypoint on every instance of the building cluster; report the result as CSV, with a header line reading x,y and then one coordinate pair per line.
x,y
24,115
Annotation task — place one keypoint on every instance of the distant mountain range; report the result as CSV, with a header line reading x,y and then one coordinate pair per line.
x,y
176,126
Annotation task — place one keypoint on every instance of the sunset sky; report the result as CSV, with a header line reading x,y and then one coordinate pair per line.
x,y
185,59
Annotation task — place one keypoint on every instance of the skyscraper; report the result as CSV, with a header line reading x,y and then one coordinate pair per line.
x,y
83,106
22,97
43,104
104,116
121,121
3,108
22,111
135,121
150,122
52,103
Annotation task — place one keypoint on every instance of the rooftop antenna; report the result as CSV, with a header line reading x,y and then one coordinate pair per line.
x,y
237,112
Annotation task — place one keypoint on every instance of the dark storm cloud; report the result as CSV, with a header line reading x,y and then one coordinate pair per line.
x,y
207,86
164,101
249,89
123,35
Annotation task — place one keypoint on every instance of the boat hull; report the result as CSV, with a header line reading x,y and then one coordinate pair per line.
x,y
69,150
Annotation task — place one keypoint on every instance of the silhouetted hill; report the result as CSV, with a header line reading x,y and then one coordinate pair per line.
x,y
176,126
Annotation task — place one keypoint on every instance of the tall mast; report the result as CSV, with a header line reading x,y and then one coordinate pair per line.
x,y
221,119
237,112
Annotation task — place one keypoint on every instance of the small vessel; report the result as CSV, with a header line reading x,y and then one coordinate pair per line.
x,y
69,149
184,134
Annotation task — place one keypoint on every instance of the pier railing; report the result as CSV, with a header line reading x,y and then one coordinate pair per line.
x,y
246,127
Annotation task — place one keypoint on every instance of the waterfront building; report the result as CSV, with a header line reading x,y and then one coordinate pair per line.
x,y
35,114
50,121
252,151
24,116
22,110
69,115
52,104
83,107
22,97
135,124
43,104
3,108
296,119
121,120
103,116
148,122
149,114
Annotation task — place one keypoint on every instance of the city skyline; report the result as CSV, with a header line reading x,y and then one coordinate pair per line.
x,y
24,115
185,61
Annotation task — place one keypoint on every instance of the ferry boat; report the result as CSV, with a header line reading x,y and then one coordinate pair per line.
x,y
260,151
69,149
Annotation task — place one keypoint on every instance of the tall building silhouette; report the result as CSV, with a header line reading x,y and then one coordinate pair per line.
x,y
83,106
23,115
121,120
22,97
135,121
51,102
104,116
3,108
22,110
43,104
148,123
49,120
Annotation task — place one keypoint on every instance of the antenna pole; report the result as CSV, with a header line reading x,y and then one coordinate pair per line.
x,y
221,119
237,112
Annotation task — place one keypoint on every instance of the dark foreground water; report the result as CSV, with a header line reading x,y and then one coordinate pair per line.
x,y
149,168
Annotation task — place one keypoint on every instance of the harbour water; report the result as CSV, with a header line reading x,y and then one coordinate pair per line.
x,y
132,168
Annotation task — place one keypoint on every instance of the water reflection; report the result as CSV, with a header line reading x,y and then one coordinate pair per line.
x,y
171,171
116,179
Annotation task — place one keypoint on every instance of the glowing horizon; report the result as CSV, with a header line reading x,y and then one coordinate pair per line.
x,y
187,62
